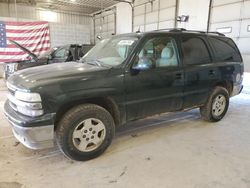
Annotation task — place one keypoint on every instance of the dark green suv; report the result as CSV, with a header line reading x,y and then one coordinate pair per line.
x,y
124,78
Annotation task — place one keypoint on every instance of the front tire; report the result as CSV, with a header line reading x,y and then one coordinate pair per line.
x,y
85,132
216,106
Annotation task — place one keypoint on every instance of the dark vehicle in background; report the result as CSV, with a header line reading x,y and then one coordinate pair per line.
x,y
121,79
66,53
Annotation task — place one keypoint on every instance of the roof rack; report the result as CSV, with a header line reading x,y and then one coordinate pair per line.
x,y
216,32
171,29
192,31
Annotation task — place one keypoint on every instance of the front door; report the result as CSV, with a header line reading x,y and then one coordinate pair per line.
x,y
154,84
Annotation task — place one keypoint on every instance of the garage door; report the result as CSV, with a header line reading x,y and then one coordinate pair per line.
x,y
104,24
232,17
157,14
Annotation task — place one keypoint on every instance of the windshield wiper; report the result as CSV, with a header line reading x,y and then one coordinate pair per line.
x,y
98,63
95,62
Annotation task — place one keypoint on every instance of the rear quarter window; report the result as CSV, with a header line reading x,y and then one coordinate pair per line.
x,y
225,49
194,51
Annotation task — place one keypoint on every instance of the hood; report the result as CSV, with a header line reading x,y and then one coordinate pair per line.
x,y
58,72
24,49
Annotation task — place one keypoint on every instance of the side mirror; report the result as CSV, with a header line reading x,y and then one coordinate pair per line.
x,y
142,64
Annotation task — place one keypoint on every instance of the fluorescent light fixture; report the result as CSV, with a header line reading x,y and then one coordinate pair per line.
x,y
224,30
47,15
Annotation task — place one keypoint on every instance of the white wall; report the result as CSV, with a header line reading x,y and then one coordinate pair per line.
x,y
104,23
65,27
123,18
157,14
30,12
197,11
234,17
116,19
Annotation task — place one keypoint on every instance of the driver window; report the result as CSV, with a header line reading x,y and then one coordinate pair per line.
x,y
158,52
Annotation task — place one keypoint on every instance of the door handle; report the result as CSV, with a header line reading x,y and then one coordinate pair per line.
x,y
178,76
211,72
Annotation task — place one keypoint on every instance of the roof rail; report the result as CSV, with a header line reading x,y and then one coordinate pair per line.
x,y
194,31
178,30
171,29
216,32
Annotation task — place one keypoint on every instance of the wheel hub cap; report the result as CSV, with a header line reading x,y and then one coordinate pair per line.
x,y
89,134
219,105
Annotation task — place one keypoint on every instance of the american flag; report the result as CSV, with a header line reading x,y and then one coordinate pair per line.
x,y
32,35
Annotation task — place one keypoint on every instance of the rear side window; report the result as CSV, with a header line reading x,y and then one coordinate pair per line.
x,y
225,49
194,51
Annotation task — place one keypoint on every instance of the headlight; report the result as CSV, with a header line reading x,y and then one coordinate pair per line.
x,y
29,104
28,97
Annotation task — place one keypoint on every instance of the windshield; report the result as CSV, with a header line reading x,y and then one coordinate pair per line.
x,y
111,51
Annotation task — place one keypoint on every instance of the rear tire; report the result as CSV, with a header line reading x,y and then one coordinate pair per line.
x,y
216,106
85,132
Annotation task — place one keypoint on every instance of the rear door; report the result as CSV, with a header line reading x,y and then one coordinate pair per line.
x,y
200,71
158,88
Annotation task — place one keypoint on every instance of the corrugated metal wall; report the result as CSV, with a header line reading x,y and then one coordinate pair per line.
x,y
232,17
65,28
157,14
29,12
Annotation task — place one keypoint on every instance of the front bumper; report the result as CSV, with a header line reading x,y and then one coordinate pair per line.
x,y
34,133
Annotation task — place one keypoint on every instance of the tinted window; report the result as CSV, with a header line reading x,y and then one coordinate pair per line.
x,y
225,49
158,52
195,51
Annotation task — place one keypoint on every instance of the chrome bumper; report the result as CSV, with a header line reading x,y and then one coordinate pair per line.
x,y
33,133
34,137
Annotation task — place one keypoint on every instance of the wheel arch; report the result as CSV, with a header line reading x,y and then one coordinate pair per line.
x,y
227,84
106,102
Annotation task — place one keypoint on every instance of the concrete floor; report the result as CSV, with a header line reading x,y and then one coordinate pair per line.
x,y
172,150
